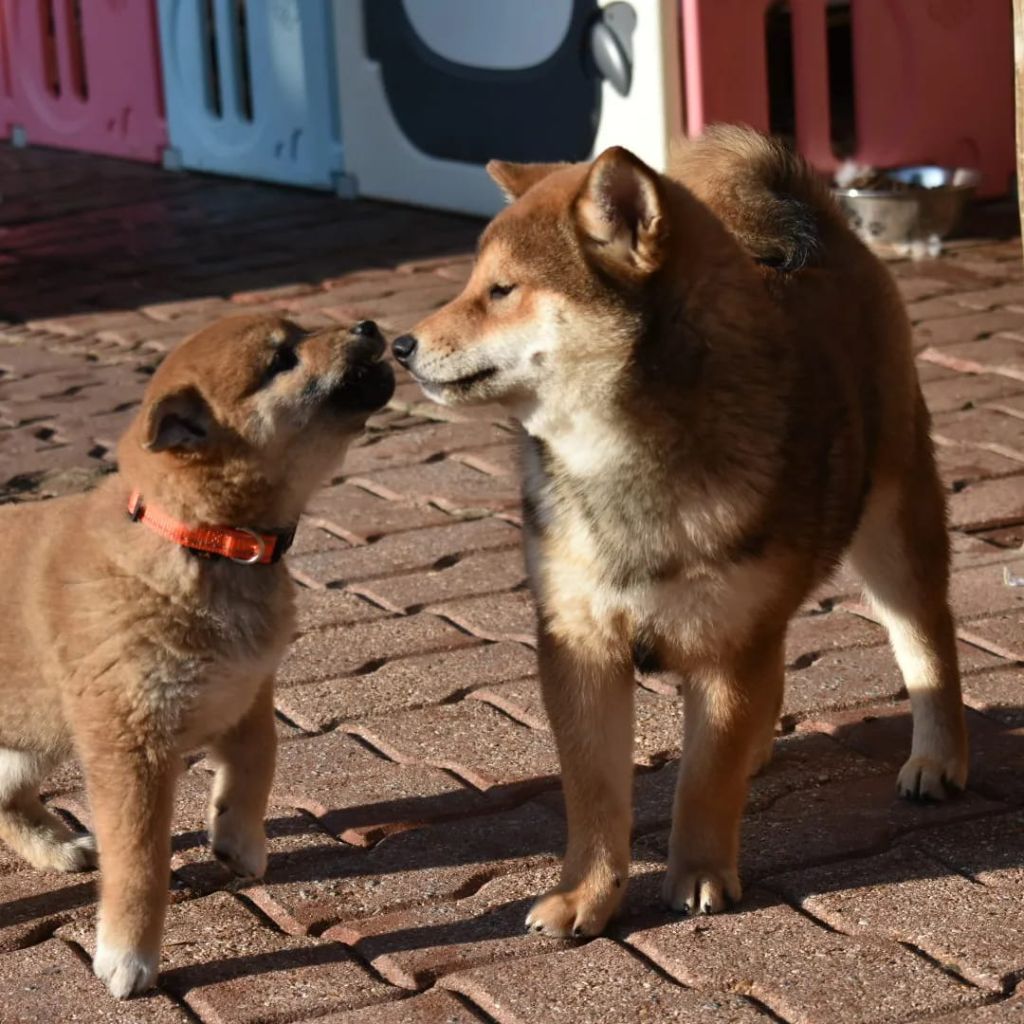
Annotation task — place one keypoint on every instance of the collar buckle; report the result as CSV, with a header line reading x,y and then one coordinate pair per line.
x,y
258,554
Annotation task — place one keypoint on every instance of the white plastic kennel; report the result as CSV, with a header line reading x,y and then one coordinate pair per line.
x,y
432,89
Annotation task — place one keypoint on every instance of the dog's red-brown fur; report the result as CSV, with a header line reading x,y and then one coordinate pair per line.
x,y
127,650
719,397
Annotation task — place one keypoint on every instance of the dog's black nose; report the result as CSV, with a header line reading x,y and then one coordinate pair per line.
x,y
403,346
366,329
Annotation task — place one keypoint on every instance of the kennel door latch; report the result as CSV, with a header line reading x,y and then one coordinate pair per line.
x,y
611,45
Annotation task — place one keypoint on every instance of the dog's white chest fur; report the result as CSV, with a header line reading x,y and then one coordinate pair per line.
x,y
642,569
693,610
699,611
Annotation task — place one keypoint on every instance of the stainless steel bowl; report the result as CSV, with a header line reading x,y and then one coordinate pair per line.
x,y
922,208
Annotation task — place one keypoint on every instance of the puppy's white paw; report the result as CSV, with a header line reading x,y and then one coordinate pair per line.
x,y
77,854
931,778
81,853
124,972
241,846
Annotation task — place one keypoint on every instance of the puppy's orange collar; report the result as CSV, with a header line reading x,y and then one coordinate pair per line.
x,y
235,543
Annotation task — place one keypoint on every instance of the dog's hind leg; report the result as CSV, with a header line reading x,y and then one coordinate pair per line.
x,y
244,756
901,552
730,710
28,827
589,697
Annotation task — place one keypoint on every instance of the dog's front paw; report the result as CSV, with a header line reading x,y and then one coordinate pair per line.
x,y
696,890
924,777
582,911
124,972
241,846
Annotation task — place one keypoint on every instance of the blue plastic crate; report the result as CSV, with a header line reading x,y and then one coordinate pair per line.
x,y
251,89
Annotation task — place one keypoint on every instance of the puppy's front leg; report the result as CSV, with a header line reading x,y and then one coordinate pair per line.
x,y
244,756
588,691
131,790
730,708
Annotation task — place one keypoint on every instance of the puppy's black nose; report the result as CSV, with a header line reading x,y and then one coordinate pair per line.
x,y
366,329
404,346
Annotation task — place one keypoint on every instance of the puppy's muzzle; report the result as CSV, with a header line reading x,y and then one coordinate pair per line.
x,y
370,344
368,382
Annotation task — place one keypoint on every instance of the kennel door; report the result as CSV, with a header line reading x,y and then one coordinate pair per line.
x,y
432,89
468,80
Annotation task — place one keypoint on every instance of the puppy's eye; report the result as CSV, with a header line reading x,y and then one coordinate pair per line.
x,y
283,360
499,291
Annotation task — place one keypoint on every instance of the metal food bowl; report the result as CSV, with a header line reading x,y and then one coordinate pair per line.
x,y
908,209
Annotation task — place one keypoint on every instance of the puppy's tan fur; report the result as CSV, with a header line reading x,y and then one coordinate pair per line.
x,y
720,400
127,650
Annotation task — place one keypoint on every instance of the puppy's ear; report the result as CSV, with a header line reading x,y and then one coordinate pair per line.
x,y
515,179
179,421
620,211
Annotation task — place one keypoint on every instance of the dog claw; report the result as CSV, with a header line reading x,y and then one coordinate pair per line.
x,y
566,915
693,892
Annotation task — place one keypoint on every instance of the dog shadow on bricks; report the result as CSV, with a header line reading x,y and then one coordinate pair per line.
x,y
823,817
809,833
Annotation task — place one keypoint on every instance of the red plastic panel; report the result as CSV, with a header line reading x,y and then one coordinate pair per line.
x,y
933,79
82,75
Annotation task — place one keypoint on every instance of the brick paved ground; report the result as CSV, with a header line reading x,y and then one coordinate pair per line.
x,y
416,809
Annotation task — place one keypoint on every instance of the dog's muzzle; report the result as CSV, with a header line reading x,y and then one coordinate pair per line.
x,y
404,348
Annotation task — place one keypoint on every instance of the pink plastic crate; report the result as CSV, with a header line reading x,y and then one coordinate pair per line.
x,y
82,74
933,79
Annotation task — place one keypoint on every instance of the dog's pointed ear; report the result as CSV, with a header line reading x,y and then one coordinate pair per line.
x,y
515,179
620,211
179,421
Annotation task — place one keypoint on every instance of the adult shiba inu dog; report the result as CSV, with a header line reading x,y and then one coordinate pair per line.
x,y
146,619
719,397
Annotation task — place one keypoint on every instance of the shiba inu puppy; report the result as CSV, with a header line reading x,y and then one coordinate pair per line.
x,y
147,618
719,397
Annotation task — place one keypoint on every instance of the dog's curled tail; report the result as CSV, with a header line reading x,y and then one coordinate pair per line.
x,y
770,199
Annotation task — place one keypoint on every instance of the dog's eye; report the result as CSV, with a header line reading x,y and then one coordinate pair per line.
x,y
284,359
499,291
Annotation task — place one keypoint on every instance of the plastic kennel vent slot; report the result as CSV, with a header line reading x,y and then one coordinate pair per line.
x,y
432,89
82,74
251,89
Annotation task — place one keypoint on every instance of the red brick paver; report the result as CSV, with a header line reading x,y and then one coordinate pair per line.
x,y
801,971
228,967
600,983
430,1008
913,899
416,810
54,981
